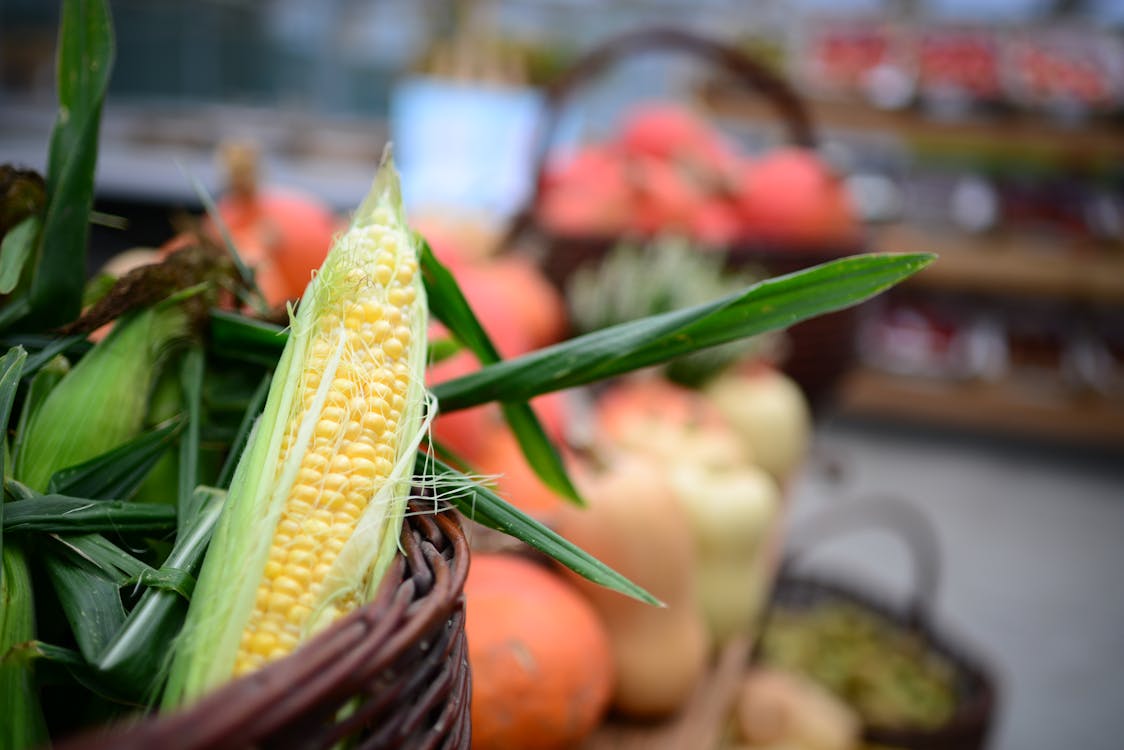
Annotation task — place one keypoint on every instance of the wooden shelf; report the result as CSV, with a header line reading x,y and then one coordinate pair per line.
x,y
1008,406
1015,134
1013,265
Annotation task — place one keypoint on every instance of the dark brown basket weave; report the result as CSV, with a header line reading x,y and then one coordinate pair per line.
x,y
394,674
822,349
976,691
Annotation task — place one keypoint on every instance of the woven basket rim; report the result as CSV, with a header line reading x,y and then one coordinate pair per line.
x,y
308,687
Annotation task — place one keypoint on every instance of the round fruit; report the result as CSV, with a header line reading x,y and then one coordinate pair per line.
x,y
771,415
791,197
541,665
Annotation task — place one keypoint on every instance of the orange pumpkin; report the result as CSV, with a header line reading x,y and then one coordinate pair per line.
x,y
284,234
542,670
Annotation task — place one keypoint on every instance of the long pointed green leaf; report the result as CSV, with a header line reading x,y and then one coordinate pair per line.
x,y
43,347
113,562
24,725
86,571
56,654
72,345
119,472
15,250
246,339
88,595
59,514
480,504
449,305
769,305
191,378
85,59
11,368
129,664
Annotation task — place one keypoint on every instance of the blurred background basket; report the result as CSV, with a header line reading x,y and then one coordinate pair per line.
x,y
974,688
392,675
821,350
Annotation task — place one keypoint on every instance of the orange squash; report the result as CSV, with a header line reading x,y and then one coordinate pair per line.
x,y
542,671
283,233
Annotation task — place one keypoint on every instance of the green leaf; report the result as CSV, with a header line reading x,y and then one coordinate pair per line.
x,y
15,250
42,347
59,514
62,345
769,305
101,403
191,379
23,724
177,581
55,654
253,410
130,664
85,59
246,339
88,595
11,369
119,472
15,308
480,504
42,383
448,303
114,563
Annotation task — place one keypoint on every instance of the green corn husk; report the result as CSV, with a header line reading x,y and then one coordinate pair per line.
x,y
207,650
102,402
70,416
23,725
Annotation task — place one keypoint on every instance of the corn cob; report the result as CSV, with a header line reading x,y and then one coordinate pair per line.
x,y
315,508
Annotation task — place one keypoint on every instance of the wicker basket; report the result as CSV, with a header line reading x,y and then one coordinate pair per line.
x,y
822,349
975,688
394,674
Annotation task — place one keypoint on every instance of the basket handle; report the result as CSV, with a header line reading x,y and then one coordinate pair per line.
x,y
891,514
750,73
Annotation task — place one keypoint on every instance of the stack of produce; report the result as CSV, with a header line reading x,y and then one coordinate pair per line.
x,y
668,172
192,498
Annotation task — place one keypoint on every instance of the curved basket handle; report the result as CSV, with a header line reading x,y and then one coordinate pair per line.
x,y
908,523
747,71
